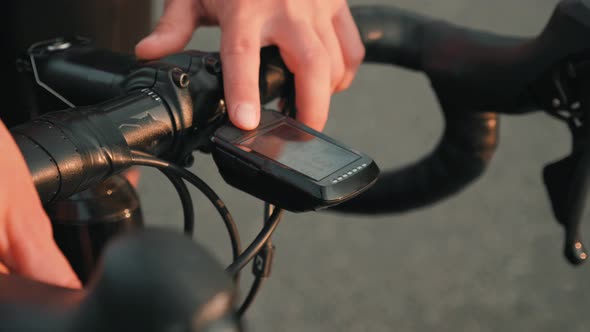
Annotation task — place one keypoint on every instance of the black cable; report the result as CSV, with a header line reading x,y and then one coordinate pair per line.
x,y
258,275
140,158
185,200
253,249
257,244
251,295
184,195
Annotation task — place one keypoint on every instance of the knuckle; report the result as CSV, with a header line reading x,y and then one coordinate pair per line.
x,y
345,84
312,55
238,46
338,72
357,56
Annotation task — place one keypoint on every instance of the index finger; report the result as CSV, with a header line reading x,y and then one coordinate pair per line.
x,y
240,59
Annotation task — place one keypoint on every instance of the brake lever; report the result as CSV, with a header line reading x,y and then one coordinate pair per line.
x,y
567,180
567,185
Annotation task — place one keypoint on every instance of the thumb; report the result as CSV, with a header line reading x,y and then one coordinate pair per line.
x,y
32,252
26,237
173,32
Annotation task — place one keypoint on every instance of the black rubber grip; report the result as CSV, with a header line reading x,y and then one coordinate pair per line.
x,y
71,150
64,155
148,280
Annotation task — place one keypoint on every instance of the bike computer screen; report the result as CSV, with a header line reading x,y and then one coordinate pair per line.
x,y
308,154
291,165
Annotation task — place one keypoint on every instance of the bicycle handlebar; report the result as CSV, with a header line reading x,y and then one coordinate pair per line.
x,y
71,150
397,37
146,282
474,74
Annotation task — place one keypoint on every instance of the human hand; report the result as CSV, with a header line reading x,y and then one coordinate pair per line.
x,y
27,247
318,41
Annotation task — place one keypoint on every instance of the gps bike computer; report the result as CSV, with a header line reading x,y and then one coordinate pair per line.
x,y
290,165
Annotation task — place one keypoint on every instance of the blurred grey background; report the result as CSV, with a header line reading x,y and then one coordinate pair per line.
x,y
488,259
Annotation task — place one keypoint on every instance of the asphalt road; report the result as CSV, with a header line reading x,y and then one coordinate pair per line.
x,y
487,259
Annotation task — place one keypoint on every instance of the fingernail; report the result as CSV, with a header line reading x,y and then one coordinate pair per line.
x,y
245,116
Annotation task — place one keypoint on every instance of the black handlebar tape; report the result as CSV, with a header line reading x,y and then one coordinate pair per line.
x,y
463,58
146,281
473,73
71,150
472,70
467,145
391,35
469,140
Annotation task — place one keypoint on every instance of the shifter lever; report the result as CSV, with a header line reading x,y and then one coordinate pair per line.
x,y
567,180
567,184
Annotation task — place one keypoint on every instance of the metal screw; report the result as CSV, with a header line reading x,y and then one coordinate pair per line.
x,y
180,78
221,106
212,64
556,103
59,45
